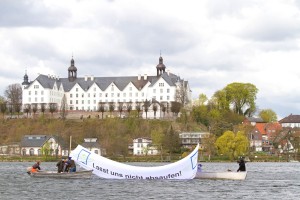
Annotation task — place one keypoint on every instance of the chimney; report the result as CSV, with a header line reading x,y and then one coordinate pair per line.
x,y
145,76
85,77
92,78
168,71
139,77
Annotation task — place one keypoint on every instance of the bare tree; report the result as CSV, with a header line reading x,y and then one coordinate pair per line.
x,y
52,108
146,106
43,108
163,108
34,108
64,107
120,108
129,107
154,107
3,106
13,93
27,109
111,107
138,108
181,94
101,108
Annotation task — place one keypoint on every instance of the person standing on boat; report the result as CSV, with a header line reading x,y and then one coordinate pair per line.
x,y
36,167
242,165
60,166
72,165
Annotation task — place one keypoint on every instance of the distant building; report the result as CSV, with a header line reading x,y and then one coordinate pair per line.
x,y
191,139
292,121
92,145
252,120
87,93
10,149
143,146
33,145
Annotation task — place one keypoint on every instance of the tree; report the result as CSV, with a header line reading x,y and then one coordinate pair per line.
x,y
13,93
171,141
268,115
163,108
101,108
232,144
129,107
3,106
242,97
138,108
27,109
111,107
146,106
120,108
175,107
64,107
34,108
181,93
52,108
43,108
154,106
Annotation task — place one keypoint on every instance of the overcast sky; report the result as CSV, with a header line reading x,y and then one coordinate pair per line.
x,y
210,43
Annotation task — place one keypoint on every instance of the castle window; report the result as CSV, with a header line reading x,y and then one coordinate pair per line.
x,y
82,95
35,92
29,92
71,95
161,97
42,92
168,90
82,101
76,95
154,90
76,89
112,87
161,90
130,88
71,102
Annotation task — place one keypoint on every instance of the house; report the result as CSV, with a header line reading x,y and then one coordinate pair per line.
x,y
143,146
92,145
269,131
291,121
10,149
89,93
37,145
255,140
252,121
191,139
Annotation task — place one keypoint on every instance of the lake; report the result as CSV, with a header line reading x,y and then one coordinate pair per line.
x,y
264,181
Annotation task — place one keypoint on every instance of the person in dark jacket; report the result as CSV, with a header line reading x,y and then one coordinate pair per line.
x,y
71,165
60,166
242,165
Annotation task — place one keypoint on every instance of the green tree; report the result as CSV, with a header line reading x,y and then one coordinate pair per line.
x,y
232,144
242,97
46,150
268,115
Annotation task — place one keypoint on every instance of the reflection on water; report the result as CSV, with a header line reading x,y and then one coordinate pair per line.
x,y
264,181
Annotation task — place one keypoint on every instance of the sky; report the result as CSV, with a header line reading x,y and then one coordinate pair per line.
x,y
209,43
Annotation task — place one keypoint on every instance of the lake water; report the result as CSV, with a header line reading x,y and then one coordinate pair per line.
x,y
264,181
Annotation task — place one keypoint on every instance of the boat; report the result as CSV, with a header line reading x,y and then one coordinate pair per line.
x,y
65,175
229,175
186,168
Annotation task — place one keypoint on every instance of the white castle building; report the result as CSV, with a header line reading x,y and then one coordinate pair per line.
x,y
86,93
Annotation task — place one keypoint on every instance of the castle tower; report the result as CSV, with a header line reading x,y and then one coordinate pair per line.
x,y
72,71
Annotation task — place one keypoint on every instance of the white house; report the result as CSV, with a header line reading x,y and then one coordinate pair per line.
x,y
85,93
92,145
32,145
143,146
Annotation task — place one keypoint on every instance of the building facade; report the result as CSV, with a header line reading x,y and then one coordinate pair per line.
x,y
143,146
87,93
191,139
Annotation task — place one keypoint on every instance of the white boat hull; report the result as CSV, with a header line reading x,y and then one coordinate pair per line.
x,y
222,175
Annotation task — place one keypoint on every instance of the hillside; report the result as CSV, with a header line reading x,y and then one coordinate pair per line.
x,y
114,134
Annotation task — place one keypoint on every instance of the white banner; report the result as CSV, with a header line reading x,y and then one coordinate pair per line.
x,y
185,168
